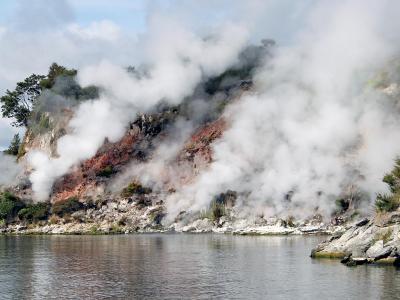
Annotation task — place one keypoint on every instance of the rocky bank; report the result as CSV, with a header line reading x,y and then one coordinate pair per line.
x,y
375,241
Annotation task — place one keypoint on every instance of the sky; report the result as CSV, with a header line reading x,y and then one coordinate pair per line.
x,y
75,33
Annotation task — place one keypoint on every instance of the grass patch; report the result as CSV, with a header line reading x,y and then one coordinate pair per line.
x,y
330,255
95,230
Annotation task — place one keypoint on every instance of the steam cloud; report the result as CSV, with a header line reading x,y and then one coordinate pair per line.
x,y
9,170
310,128
175,69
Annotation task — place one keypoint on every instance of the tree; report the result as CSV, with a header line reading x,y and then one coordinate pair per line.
x,y
18,104
55,71
14,146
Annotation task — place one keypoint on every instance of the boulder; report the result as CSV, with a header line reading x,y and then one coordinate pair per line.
x,y
375,249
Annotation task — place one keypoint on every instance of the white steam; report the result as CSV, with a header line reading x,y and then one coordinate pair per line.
x,y
177,60
311,127
9,170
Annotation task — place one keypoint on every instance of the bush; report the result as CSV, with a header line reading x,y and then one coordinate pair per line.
x,y
342,204
386,203
34,212
390,202
10,205
135,188
215,212
67,206
106,172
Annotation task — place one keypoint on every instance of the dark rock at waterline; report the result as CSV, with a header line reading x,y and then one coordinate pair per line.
x,y
356,261
362,222
385,252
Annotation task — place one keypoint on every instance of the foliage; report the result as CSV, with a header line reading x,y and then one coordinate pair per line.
x,y
10,205
67,206
35,212
391,201
216,83
106,171
55,71
135,188
15,144
17,104
215,211
62,81
386,203
342,204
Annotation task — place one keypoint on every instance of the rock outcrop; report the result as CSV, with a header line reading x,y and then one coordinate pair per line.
x,y
374,241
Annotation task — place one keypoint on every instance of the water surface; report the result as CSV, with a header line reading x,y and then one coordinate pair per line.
x,y
182,266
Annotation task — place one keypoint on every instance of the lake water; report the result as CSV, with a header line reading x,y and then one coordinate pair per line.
x,y
182,266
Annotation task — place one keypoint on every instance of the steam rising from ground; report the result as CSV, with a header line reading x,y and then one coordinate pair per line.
x,y
9,170
310,129
177,61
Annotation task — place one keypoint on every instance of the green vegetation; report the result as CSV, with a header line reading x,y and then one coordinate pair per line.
x,y
342,204
56,71
10,205
380,80
215,211
106,172
390,202
17,104
116,229
95,230
66,207
34,212
14,147
216,83
325,254
135,188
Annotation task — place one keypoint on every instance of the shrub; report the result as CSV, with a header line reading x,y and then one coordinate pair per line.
x,y
9,206
67,206
390,202
135,188
106,172
34,212
342,204
215,211
386,203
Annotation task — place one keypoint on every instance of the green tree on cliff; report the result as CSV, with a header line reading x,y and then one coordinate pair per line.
x,y
17,104
14,146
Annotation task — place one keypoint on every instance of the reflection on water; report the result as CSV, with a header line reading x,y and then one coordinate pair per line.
x,y
182,266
